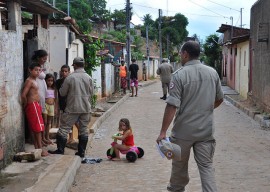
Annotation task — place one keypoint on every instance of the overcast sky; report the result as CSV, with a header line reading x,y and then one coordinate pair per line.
x,y
204,16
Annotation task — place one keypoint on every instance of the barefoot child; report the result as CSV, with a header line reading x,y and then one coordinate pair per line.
x,y
33,110
50,106
126,138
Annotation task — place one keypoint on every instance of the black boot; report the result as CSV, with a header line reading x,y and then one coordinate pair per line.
x,y
83,140
61,144
164,97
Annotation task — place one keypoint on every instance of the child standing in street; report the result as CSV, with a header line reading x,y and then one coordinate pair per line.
x,y
30,100
50,106
144,72
62,101
126,137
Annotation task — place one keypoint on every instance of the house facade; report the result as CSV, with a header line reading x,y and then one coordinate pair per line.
x,y
235,58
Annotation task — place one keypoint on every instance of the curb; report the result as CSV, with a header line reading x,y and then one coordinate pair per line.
x,y
254,114
58,176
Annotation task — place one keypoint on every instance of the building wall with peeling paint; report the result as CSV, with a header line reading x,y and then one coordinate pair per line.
x,y
11,81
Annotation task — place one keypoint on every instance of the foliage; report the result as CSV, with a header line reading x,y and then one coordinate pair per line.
x,y
119,19
119,35
147,20
212,51
80,10
93,99
91,60
100,13
152,30
27,15
179,23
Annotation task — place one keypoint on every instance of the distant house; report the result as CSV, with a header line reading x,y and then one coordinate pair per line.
x,y
235,58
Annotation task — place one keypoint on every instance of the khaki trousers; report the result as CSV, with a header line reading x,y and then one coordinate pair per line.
x,y
67,120
165,88
203,155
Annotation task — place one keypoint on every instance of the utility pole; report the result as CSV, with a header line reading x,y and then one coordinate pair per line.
x,y
232,27
68,7
167,46
128,38
241,17
147,51
160,38
53,6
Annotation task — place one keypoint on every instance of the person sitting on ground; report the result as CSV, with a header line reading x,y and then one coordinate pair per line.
x,y
126,137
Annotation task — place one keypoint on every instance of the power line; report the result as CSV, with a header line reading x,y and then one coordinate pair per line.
x,y
207,9
181,12
223,5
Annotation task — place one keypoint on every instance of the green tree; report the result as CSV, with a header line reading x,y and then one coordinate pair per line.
x,y
152,30
91,59
80,10
100,13
173,33
212,52
119,19
147,20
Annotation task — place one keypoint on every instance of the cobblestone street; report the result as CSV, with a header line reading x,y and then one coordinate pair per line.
x,y
241,159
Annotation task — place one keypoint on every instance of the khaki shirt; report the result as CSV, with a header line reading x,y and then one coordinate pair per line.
x,y
78,87
194,89
165,71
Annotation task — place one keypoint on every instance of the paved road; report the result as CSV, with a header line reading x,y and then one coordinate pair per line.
x,y
242,154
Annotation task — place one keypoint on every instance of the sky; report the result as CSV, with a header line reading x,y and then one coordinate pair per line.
x,y
204,16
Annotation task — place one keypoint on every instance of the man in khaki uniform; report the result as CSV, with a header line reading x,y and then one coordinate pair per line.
x,y
165,71
78,87
195,91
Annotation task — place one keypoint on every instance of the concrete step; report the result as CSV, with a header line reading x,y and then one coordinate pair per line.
x,y
58,176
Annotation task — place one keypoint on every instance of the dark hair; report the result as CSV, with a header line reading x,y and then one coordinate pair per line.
x,y
126,121
48,76
38,54
33,65
192,48
65,67
133,60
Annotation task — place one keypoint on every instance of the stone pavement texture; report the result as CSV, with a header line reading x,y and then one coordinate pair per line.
x,y
49,174
241,159
242,146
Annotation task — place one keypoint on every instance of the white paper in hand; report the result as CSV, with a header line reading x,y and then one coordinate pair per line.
x,y
161,154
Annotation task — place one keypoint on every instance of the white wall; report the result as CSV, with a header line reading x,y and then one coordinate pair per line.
x,y
75,50
109,74
242,68
96,76
58,44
